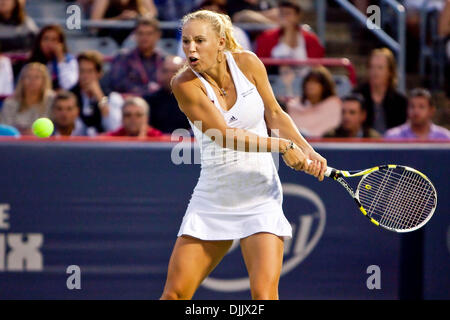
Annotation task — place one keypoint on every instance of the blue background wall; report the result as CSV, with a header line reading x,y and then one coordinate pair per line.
x,y
114,210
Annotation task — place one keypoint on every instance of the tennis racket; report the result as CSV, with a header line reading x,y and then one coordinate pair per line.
x,y
397,198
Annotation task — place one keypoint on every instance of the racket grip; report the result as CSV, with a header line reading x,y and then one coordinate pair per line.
x,y
327,172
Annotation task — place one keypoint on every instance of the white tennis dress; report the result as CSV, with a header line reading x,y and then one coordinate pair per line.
x,y
238,193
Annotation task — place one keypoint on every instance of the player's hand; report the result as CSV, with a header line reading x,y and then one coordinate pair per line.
x,y
317,166
295,158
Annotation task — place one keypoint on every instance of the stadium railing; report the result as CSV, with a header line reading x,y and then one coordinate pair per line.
x,y
398,46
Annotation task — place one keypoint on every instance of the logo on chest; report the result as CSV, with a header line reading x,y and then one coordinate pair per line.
x,y
232,119
248,92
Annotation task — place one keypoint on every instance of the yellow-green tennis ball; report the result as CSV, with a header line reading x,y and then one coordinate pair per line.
x,y
43,127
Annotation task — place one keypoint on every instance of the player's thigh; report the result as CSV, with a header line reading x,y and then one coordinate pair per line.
x,y
191,261
263,256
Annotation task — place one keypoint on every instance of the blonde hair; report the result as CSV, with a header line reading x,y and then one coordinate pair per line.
x,y
392,65
221,24
46,90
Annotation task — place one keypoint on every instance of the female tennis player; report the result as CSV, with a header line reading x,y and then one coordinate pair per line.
x,y
226,95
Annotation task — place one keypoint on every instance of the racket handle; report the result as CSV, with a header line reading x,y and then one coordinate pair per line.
x,y
328,172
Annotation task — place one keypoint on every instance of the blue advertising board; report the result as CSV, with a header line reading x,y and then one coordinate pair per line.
x,y
110,213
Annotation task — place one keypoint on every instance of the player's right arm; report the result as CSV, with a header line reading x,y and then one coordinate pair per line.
x,y
201,111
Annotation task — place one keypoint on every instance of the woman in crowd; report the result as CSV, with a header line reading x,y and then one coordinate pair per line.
x,y
17,30
290,39
31,99
386,106
319,108
50,49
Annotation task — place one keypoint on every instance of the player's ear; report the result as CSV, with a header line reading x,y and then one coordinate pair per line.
x,y
222,43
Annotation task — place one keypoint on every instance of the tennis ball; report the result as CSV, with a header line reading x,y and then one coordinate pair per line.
x,y
43,127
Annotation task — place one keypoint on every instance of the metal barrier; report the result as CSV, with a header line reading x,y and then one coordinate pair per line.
x,y
398,46
164,25
431,45
327,62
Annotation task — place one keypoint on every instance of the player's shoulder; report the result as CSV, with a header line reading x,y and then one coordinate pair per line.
x,y
184,78
248,61
245,56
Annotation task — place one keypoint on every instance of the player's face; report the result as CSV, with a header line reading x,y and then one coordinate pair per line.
x,y
65,112
200,45
419,111
352,115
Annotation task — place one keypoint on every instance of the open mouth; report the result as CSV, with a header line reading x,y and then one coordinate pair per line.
x,y
193,60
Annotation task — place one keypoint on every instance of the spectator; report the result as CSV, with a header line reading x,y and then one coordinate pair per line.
x,y
64,113
414,10
288,85
289,40
134,72
17,30
256,11
173,10
386,107
85,5
8,131
444,21
444,32
6,77
99,112
363,4
165,115
319,109
116,10
135,114
421,110
50,48
353,117
31,100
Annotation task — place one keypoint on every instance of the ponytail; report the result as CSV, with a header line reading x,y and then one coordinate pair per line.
x,y
221,24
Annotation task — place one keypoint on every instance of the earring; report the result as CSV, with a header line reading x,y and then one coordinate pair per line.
x,y
221,57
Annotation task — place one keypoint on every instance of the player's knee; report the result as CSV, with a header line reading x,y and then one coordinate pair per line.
x,y
264,290
264,294
174,295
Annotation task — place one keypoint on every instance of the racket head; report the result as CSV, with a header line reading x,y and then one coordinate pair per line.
x,y
398,198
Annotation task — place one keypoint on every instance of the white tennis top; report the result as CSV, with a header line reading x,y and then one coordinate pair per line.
x,y
238,193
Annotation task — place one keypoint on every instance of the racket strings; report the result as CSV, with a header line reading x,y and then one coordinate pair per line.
x,y
392,212
389,191
408,187
397,200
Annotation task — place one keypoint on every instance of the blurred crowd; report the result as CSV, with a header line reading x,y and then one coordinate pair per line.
x,y
128,94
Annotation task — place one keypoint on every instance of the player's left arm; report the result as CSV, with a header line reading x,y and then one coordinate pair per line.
x,y
277,119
